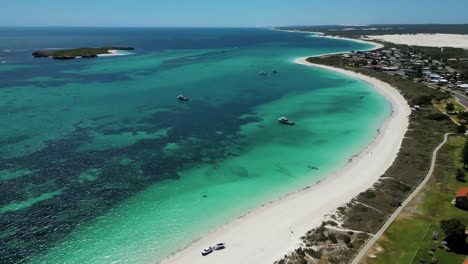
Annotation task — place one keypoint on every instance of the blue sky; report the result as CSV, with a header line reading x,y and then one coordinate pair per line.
x,y
242,13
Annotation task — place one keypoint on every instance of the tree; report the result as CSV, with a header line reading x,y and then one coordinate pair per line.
x,y
463,115
423,100
461,129
465,154
454,231
450,107
460,175
419,71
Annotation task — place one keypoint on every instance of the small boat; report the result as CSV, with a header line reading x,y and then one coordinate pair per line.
x,y
263,73
182,98
283,120
275,71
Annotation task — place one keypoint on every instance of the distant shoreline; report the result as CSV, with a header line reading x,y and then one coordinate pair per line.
x,y
321,34
269,232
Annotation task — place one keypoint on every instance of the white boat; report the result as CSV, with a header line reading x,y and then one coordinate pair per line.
x,y
283,120
182,98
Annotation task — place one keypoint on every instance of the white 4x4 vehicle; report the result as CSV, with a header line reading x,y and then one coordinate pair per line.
x,y
219,246
207,251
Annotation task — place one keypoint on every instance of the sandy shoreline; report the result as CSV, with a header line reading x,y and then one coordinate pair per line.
x,y
111,53
322,35
267,233
376,44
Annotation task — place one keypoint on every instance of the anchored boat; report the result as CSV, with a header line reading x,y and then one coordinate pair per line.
x,y
182,98
283,120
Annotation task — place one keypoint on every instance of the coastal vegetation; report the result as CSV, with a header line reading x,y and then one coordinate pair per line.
x,y
366,213
74,53
418,229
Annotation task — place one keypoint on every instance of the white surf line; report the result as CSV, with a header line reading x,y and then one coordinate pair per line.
x,y
389,221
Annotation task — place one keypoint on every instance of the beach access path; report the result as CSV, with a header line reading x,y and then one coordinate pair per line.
x,y
389,221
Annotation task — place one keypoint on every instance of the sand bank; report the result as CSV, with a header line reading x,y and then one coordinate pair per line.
x,y
269,232
112,53
426,40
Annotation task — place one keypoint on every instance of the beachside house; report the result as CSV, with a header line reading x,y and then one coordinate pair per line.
x,y
461,199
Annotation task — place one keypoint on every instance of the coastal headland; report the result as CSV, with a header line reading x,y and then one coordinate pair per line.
x,y
68,54
267,233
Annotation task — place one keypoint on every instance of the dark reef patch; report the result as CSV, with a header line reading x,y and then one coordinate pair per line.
x,y
58,166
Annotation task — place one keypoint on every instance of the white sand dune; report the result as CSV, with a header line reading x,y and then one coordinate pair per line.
x,y
269,232
426,40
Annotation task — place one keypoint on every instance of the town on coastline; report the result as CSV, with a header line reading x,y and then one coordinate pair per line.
x,y
414,64
430,228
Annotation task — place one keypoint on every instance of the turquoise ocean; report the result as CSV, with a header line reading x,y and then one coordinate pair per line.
x,y
99,163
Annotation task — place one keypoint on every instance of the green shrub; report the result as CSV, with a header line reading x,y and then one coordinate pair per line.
x,y
437,117
346,239
300,252
422,100
313,253
369,194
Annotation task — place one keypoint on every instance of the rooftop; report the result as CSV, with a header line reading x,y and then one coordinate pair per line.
x,y
463,192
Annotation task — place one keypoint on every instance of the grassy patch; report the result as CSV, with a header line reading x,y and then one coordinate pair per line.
x,y
409,238
442,104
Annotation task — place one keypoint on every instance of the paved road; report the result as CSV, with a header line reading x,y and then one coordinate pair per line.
x,y
371,242
461,99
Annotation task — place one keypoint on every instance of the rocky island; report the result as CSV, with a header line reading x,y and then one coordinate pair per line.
x,y
78,53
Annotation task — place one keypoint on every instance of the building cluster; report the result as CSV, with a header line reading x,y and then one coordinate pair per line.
x,y
412,65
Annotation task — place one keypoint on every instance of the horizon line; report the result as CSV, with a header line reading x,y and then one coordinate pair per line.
x,y
277,26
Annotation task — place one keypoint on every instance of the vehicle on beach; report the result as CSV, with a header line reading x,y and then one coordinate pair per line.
x,y
219,246
206,251
283,120
182,98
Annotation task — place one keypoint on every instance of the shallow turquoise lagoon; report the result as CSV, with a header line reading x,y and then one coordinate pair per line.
x,y
99,163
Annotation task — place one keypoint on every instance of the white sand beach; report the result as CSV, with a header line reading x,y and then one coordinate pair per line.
x,y
269,232
365,41
112,53
426,40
